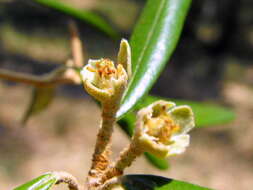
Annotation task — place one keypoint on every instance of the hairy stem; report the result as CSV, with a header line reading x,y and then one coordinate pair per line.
x,y
126,158
64,177
111,184
100,160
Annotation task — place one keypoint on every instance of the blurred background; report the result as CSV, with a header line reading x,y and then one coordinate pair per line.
x,y
213,63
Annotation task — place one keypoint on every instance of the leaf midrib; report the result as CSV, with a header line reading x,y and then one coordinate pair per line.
x,y
151,33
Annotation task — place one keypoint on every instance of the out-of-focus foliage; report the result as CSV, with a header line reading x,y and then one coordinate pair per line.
x,y
82,15
41,98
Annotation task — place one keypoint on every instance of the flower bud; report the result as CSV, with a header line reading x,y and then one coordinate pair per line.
x,y
162,128
103,80
106,81
124,56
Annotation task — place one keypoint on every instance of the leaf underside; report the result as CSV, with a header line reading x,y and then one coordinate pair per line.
x,y
41,99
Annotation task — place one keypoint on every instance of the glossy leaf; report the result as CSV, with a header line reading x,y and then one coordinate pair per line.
x,y
41,98
153,42
82,15
44,182
151,182
205,115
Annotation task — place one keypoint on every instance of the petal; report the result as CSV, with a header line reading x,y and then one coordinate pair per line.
x,y
99,94
184,117
87,74
160,106
92,62
124,56
180,142
147,112
148,144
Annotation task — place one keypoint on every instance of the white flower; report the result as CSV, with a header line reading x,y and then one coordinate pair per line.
x,y
162,128
105,81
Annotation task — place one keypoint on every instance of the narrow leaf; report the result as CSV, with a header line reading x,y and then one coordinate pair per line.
x,y
44,182
41,98
153,42
151,182
82,15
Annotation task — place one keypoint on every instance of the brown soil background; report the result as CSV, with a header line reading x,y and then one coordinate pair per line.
x,y
62,138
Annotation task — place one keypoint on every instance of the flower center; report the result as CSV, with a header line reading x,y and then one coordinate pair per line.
x,y
105,72
161,127
106,69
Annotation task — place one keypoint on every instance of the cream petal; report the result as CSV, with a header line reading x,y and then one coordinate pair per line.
x,y
124,56
98,93
148,144
180,142
160,103
88,75
92,62
184,117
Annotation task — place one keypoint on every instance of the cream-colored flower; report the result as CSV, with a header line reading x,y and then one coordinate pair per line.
x,y
162,128
103,79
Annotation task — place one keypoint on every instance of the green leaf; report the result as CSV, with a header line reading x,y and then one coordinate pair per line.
x,y
41,98
153,42
206,114
151,182
82,15
44,182
160,163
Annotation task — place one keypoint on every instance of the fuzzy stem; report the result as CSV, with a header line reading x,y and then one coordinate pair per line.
x,y
100,160
64,177
126,158
112,183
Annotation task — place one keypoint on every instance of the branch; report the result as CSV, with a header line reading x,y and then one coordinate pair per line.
x,y
111,184
76,45
63,75
38,81
64,177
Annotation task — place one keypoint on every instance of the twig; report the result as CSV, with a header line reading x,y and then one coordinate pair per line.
x,y
76,45
101,154
37,81
108,88
64,177
126,158
111,184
